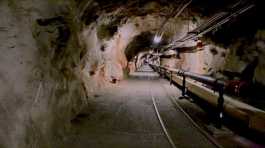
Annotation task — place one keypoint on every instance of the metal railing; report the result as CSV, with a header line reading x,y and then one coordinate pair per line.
x,y
216,84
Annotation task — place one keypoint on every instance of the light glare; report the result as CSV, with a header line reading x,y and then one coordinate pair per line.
x,y
157,39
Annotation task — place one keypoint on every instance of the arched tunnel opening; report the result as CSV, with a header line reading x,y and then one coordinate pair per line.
x,y
138,73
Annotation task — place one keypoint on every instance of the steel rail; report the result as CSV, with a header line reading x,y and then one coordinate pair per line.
x,y
162,124
203,132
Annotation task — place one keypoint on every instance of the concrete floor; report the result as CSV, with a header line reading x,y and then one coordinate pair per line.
x,y
124,117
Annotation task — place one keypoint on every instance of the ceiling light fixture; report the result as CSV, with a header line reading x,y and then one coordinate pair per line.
x,y
157,39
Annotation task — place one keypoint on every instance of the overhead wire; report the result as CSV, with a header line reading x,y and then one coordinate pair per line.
x,y
174,14
214,22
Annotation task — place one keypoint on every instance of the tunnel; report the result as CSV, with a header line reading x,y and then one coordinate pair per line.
x,y
132,73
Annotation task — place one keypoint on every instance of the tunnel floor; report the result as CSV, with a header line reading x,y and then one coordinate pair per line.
x,y
124,117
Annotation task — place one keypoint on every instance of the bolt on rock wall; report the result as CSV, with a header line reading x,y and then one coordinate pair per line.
x,y
40,91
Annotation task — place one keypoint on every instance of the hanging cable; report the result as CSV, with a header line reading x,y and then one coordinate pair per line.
x,y
174,14
213,23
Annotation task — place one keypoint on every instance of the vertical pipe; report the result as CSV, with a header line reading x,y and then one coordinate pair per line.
x,y
184,86
220,106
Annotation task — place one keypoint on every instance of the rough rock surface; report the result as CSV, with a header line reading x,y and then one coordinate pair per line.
x,y
40,92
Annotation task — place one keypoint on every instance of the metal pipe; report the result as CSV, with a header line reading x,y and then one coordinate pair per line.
x,y
217,84
200,78
220,107
184,86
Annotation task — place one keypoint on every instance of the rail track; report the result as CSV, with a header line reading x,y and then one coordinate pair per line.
x,y
177,106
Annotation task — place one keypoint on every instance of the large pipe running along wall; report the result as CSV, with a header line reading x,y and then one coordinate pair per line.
x,y
251,116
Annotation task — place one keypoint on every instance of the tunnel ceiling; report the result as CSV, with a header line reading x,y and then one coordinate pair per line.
x,y
92,9
121,10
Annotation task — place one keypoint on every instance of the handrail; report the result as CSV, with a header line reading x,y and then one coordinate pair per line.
x,y
200,78
217,84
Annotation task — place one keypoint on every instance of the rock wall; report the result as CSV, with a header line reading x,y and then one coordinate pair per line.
x,y
105,58
40,91
208,60
243,52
